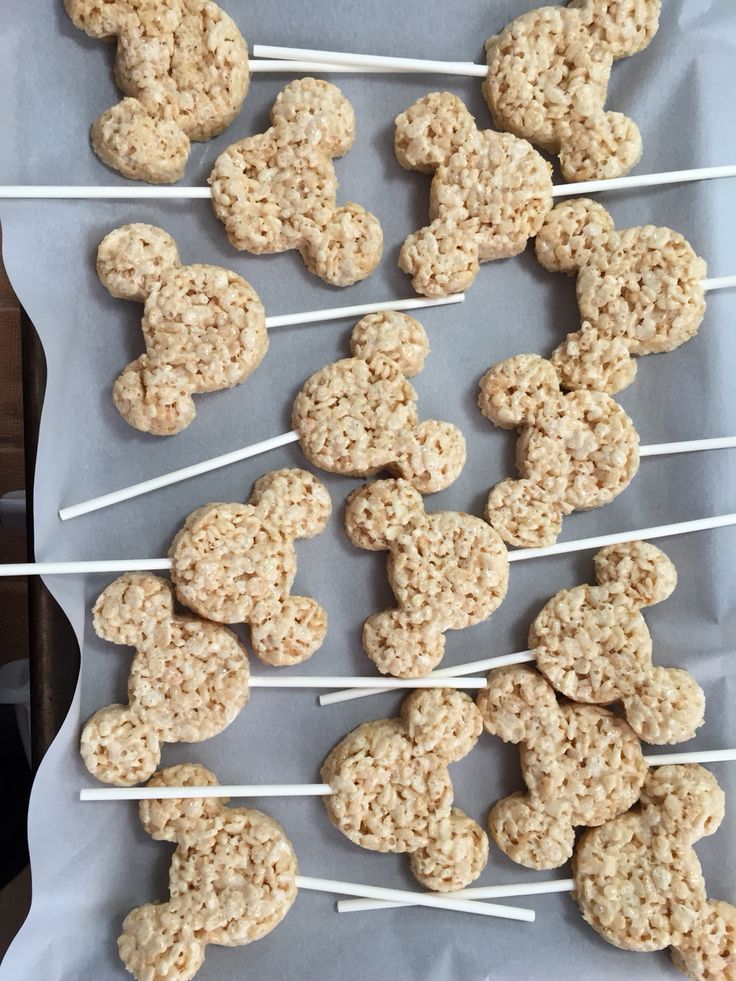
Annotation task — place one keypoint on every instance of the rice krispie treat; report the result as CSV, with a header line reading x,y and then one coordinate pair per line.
x,y
187,682
581,765
640,291
232,880
358,416
235,563
393,793
593,645
490,193
204,328
447,570
277,190
183,65
547,81
574,451
638,881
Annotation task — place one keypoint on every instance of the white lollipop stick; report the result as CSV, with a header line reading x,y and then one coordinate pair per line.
x,y
293,67
704,756
475,892
404,896
719,283
216,790
345,58
316,681
643,180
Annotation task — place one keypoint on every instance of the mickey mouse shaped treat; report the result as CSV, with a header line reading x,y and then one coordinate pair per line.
x,y
639,883
235,563
188,680
574,452
640,291
581,764
277,191
547,81
392,791
490,193
358,416
593,645
183,66
232,880
448,570
204,328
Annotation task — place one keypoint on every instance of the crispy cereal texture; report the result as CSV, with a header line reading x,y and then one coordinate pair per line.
x,y
593,645
574,452
204,328
358,416
640,291
490,193
639,883
232,880
547,81
235,563
278,190
183,66
187,682
448,570
581,766
393,793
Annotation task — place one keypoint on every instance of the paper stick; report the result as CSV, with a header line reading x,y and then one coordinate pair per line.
x,y
291,66
216,790
360,309
704,756
414,898
689,446
719,283
411,65
475,892
86,566
349,681
644,180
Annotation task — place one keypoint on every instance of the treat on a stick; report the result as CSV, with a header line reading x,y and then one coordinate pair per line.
x,y
448,570
233,878
235,563
638,881
593,645
358,416
490,193
575,451
204,327
581,764
547,81
392,790
639,291
277,190
187,682
183,68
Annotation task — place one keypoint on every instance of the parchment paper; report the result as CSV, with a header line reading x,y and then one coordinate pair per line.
x,y
92,862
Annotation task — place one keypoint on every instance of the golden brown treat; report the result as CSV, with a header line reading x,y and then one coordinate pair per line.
x,y
187,682
277,190
638,881
232,880
204,328
183,65
393,793
574,452
581,766
547,81
235,563
358,416
489,195
640,291
593,645
448,570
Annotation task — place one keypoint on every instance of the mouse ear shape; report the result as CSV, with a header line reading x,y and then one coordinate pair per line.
x,y
689,802
430,457
318,113
294,500
600,147
132,259
174,819
513,391
376,513
646,573
158,942
154,397
101,20
524,513
622,27
119,746
136,609
529,835
455,854
519,706
571,232
345,248
442,258
442,721
393,335
667,707
431,130
708,949
591,359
